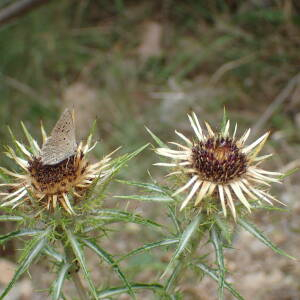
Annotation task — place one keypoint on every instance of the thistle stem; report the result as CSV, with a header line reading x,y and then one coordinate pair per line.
x,y
71,259
79,286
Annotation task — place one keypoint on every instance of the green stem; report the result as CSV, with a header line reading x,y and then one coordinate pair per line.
x,y
71,259
79,286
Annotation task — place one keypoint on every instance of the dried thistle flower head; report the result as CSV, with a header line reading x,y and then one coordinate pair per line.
x,y
54,172
220,165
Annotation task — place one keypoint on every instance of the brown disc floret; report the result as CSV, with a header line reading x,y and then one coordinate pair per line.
x,y
218,160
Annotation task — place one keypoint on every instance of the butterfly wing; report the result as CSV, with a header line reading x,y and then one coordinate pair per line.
x,y
61,144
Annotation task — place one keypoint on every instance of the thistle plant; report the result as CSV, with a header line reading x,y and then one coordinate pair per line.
x,y
56,197
210,173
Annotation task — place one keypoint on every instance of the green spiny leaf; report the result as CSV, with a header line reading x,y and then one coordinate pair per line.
x,y
54,254
148,247
155,198
5,218
112,216
31,141
147,186
118,163
109,259
19,233
218,246
289,173
120,290
157,140
259,235
225,230
175,272
32,252
184,241
58,283
213,274
176,222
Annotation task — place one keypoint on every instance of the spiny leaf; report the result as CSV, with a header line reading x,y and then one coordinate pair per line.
x,y
81,259
147,186
218,246
269,207
148,247
58,283
213,274
174,219
289,173
157,140
30,140
111,216
259,235
155,198
18,233
108,259
123,289
184,241
5,218
118,163
31,253
225,230
175,272
54,254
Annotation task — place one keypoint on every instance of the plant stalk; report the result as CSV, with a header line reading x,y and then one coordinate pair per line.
x,y
79,286
72,260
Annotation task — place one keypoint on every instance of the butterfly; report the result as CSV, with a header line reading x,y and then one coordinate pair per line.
x,y
61,144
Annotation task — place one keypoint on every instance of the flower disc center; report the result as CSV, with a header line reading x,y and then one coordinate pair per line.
x,y
218,160
53,178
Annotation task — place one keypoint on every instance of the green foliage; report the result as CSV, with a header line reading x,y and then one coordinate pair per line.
x,y
216,53
260,236
31,251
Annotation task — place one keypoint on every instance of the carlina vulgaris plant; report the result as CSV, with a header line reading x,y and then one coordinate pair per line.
x,y
220,172
56,198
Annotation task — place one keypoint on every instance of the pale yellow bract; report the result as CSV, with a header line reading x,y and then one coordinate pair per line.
x,y
220,165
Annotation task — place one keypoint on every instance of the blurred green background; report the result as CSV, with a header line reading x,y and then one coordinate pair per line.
x,y
134,63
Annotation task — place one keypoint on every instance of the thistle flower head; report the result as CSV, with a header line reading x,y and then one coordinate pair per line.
x,y
220,165
56,174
